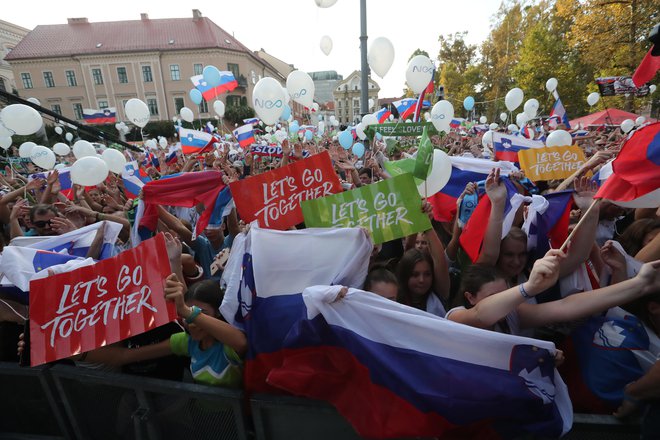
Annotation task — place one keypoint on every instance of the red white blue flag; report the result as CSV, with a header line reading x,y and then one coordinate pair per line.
x,y
383,115
195,141
103,116
227,84
405,107
244,135
507,146
558,113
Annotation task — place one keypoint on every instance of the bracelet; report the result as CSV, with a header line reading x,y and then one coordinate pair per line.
x,y
523,292
194,313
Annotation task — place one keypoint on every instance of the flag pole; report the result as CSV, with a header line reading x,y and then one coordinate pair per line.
x,y
595,203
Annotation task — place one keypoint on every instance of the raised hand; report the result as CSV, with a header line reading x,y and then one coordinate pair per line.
x,y
62,225
612,257
495,188
174,290
20,207
585,189
545,272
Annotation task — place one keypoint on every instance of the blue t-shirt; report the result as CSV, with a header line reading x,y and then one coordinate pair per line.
x,y
205,253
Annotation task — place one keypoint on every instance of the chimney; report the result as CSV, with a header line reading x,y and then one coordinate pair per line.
x,y
79,20
197,14
144,16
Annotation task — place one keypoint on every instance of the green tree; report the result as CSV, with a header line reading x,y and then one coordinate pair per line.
x,y
236,114
458,72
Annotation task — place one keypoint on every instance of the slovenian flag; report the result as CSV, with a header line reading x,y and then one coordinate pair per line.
x,y
20,264
227,84
405,107
456,122
244,135
194,141
66,186
376,361
104,116
133,180
547,222
558,113
383,115
507,146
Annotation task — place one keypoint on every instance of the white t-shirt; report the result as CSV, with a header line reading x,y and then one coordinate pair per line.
x,y
434,306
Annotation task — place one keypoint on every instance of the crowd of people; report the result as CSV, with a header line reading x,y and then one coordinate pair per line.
x,y
507,289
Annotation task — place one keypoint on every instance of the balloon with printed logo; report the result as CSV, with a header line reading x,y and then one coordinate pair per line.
x,y
89,171
114,160
438,176
513,128
58,130
381,56
68,137
286,113
419,73
593,98
345,139
42,157
186,114
300,87
61,149
513,99
559,138
211,76
640,120
21,119
358,150
441,115
627,125
82,149
5,142
137,112
483,120
493,126
503,117
551,85
268,100
325,3
219,108
530,108
326,44
468,103
25,149
196,96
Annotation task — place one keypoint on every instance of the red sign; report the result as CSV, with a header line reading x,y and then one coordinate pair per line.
x,y
274,197
94,306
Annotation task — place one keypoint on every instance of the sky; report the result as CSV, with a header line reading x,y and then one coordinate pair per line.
x,y
291,30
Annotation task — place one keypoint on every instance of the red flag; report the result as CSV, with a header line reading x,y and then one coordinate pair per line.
x,y
646,69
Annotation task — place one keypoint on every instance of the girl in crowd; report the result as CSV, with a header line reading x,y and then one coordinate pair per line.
x,y
382,282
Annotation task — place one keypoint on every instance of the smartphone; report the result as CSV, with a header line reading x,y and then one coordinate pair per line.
x,y
24,360
468,204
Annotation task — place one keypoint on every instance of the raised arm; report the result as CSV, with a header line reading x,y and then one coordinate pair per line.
x,y
496,192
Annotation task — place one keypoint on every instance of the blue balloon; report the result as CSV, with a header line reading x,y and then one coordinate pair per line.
x,y
468,103
293,128
345,139
358,150
196,96
286,113
379,136
211,75
308,135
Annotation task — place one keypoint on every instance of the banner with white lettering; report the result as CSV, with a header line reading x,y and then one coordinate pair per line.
x,y
550,163
98,305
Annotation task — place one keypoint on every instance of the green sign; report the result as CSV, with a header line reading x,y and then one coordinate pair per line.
x,y
400,129
389,209
424,156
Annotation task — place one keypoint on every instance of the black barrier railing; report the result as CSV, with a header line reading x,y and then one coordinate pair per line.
x,y
66,402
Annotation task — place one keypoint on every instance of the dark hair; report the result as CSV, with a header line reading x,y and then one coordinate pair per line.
x,y
368,171
405,269
633,237
208,292
379,274
640,308
42,209
474,277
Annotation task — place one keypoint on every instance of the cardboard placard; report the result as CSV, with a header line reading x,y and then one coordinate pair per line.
x,y
550,163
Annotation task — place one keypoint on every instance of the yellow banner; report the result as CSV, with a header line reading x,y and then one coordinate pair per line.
x,y
549,163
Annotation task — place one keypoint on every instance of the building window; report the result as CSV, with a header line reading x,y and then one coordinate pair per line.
x,y
233,101
203,107
338,104
56,108
121,74
233,68
48,79
178,104
78,110
97,76
103,104
146,74
27,80
175,74
198,69
152,103
71,78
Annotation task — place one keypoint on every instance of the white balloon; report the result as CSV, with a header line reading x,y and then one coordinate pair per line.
x,y
627,125
42,157
652,88
521,119
419,73
25,149
219,108
640,120
438,176
326,44
513,128
381,56
34,101
369,119
321,128
559,138
487,139
89,171
483,120
551,85
59,166
315,107
21,119
513,98
61,149
137,112
371,103
300,87
427,116
280,135
325,3
4,131
187,114
83,149
441,115
5,142
162,142
68,137
58,130
530,108
503,117
151,144
493,126
287,98
593,98
114,160
359,130
268,100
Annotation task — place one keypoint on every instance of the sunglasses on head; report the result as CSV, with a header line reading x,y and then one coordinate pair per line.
x,y
41,223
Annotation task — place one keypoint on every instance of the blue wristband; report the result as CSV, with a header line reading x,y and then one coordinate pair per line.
x,y
523,292
193,315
